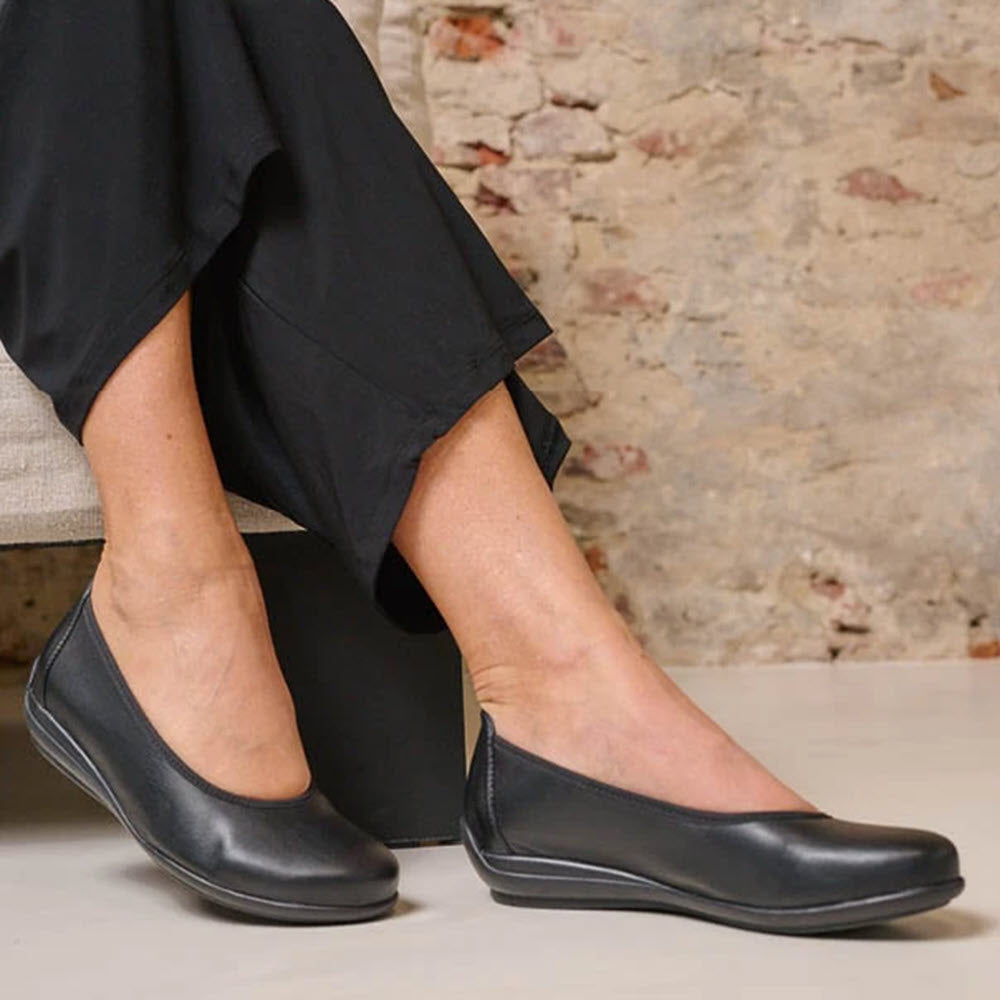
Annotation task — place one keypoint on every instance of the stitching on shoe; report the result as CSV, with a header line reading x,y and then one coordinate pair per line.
x,y
140,717
57,649
697,817
491,806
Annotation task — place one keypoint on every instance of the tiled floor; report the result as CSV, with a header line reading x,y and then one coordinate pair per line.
x,y
84,915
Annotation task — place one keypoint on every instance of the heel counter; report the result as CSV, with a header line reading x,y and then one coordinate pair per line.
x,y
46,659
480,792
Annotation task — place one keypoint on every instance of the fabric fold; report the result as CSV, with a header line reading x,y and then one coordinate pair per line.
x,y
346,309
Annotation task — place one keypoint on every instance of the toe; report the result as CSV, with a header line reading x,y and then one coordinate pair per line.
x,y
934,859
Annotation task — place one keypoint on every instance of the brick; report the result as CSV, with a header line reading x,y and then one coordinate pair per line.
x,y
663,144
616,290
876,185
607,462
563,132
464,140
526,189
988,650
584,82
559,32
505,85
469,38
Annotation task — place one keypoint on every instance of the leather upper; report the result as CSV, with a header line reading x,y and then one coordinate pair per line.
x,y
298,850
517,803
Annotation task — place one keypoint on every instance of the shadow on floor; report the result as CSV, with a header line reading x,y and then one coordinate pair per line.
x,y
950,924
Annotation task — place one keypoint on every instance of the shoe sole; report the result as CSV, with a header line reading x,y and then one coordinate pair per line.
x,y
60,749
562,884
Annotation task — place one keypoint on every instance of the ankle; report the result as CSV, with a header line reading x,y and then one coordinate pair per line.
x,y
194,536
605,676
140,583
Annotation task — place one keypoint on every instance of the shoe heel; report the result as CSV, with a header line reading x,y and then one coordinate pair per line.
x,y
548,882
60,749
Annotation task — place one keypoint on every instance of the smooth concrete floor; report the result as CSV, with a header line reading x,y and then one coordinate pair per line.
x,y
83,914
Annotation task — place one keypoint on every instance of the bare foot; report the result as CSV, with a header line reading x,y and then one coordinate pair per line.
x,y
610,713
192,640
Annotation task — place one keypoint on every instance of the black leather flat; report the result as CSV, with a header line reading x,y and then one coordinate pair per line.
x,y
541,835
296,860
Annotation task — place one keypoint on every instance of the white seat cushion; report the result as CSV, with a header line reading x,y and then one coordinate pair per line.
x,y
46,491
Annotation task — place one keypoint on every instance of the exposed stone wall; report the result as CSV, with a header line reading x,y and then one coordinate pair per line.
x,y
768,234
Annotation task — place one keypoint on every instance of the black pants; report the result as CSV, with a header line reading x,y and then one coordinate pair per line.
x,y
346,308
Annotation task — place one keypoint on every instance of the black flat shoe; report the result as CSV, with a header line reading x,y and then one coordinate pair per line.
x,y
296,860
541,835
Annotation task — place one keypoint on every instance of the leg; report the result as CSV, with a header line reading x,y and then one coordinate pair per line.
x,y
484,534
176,593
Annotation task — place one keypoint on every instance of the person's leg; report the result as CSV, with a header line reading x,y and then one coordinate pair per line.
x,y
178,599
176,593
550,658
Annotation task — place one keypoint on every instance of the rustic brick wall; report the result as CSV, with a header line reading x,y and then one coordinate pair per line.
x,y
768,234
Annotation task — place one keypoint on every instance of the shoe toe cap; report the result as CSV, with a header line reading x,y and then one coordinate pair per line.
x,y
885,859
365,876
932,857
350,868
309,857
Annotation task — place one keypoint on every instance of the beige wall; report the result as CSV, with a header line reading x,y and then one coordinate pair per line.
x,y
769,235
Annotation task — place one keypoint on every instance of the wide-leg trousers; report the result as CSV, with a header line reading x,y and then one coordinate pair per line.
x,y
346,309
